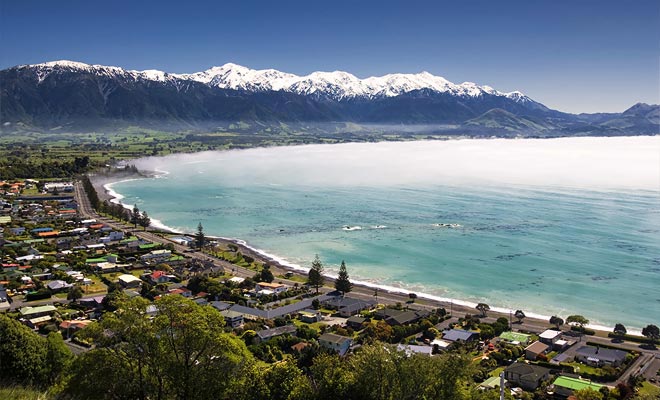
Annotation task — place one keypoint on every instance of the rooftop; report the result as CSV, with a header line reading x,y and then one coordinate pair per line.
x,y
576,384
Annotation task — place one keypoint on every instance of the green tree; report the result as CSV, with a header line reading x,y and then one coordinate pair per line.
x,y
587,394
144,221
74,294
266,275
58,357
315,277
483,308
652,332
342,283
556,321
178,354
200,238
330,378
520,315
620,330
578,320
135,216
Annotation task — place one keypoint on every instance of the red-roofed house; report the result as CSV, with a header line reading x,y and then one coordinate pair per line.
x,y
159,277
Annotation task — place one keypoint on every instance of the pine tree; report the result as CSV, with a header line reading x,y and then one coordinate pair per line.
x,y
342,283
315,277
200,238
135,215
144,220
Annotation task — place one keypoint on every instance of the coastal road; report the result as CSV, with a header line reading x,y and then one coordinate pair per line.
x,y
528,324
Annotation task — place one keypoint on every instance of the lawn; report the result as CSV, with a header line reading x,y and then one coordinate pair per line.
x,y
650,390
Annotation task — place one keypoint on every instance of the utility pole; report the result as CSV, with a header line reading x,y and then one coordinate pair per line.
x,y
502,385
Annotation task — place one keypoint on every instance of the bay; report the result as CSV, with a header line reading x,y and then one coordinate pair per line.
x,y
556,226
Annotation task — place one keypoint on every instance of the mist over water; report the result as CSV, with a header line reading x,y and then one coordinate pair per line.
x,y
558,226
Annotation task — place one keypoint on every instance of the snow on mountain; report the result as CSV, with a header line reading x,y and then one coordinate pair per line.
x,y
336,85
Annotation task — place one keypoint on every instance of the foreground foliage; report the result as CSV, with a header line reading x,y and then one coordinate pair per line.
x,y
180,351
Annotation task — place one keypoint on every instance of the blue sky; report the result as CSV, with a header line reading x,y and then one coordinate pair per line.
x,y
576,56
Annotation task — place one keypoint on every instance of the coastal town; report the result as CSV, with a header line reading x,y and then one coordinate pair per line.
x,y
66,266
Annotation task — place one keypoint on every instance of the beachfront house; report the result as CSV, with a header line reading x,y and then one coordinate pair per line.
x,y
337,343
270,288
527,376
549,337
598,356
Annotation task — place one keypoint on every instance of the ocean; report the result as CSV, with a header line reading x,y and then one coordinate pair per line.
x,y
550,226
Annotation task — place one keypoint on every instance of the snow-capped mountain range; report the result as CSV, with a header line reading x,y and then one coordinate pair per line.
x,y
337,85
76,96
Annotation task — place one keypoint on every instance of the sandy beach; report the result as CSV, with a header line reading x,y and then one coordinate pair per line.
x,y
386,295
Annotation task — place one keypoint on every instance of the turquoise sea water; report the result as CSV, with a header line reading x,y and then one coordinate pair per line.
x,y
547,249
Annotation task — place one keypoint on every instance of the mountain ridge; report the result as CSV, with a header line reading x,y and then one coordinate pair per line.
x,y
79,96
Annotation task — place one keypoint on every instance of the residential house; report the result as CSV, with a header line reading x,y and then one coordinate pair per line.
x,y
460,335
411,349
270,288
550,336
565,386
309,316
159,277
491,383
515,338
69,328
535,349
598,356
129,281
337,343
156,256
232,318
35,312
527,376
58,286
347,306
355,322
267,334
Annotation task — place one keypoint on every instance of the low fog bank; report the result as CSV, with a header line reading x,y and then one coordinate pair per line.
x,y
585,162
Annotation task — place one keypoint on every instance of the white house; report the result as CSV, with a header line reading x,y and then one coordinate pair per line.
x,y
269,288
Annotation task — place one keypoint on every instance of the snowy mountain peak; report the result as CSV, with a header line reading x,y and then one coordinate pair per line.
x,y
336,85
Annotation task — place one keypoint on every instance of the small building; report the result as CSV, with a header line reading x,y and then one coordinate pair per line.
x,y
337,343
68,328
129,281
533,351
460,335
527,376
309,316
549,336
232,318
347,306
159,277
58,286
355,322
515,338
268,288
440,344
598,357
35,312
411,349
565,386
156,256
491,383
267,334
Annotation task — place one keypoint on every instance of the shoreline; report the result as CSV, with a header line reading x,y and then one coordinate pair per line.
x,y
280,264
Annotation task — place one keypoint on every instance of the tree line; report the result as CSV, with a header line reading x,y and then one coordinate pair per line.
x,y
183,352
